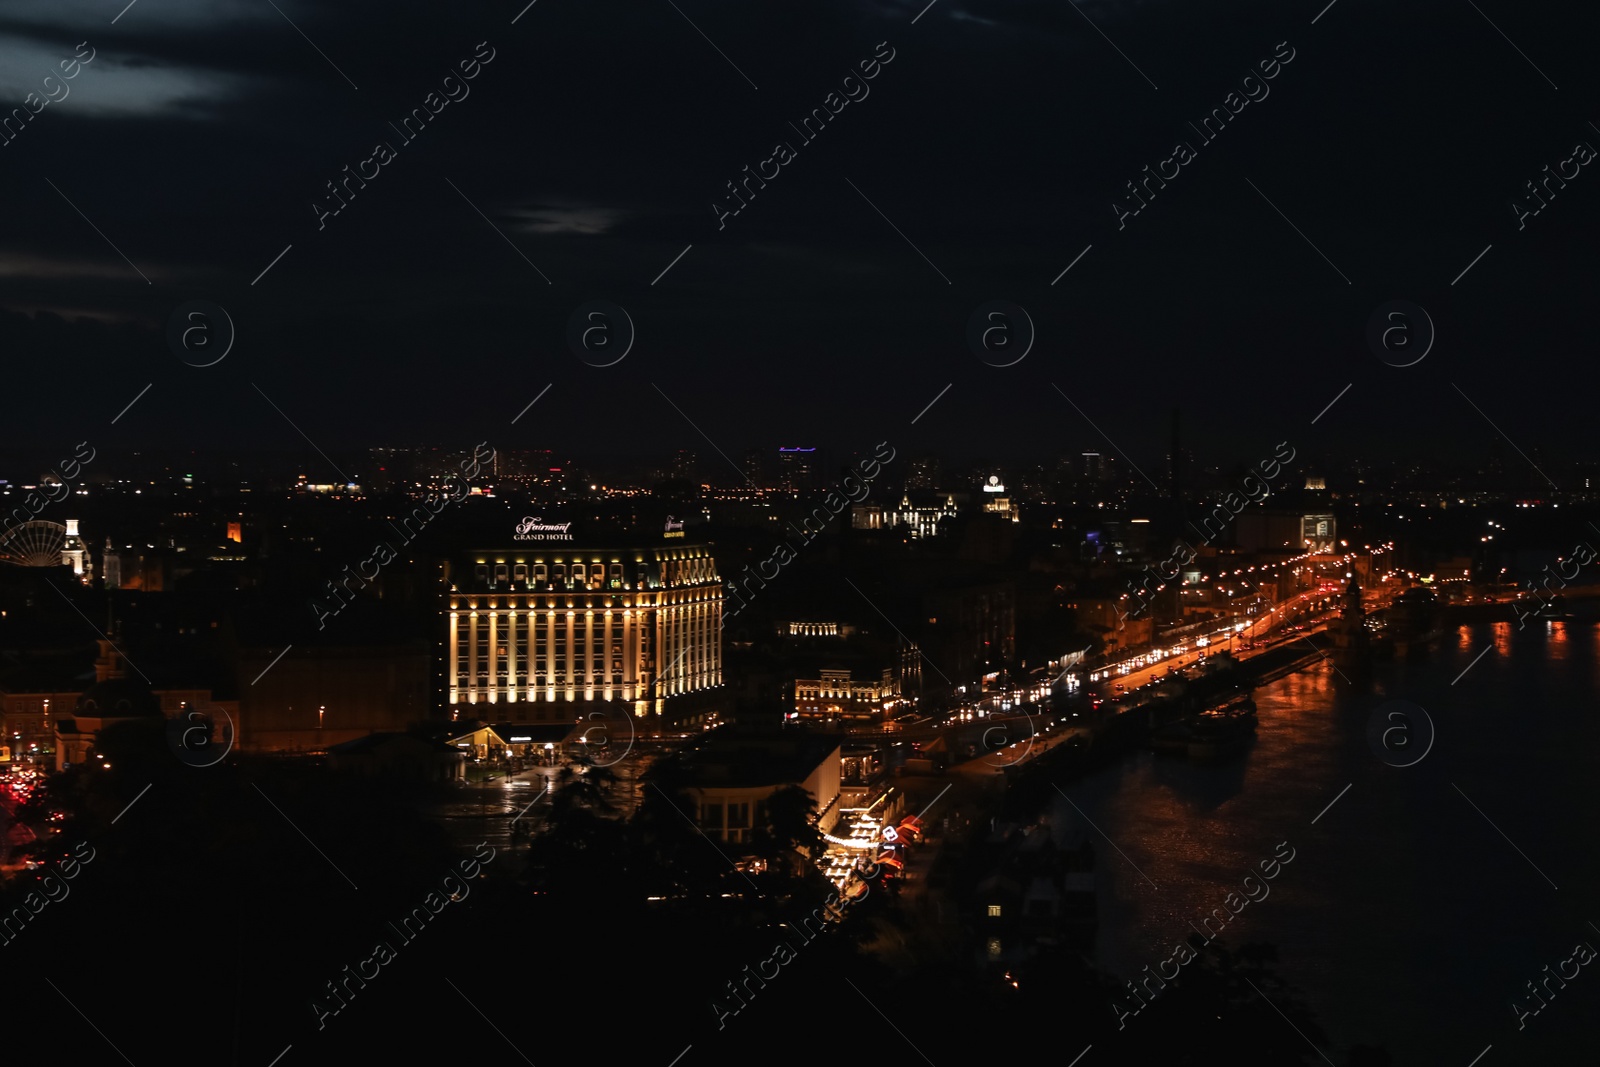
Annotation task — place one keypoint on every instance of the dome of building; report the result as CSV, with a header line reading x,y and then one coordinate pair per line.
x,y
118,698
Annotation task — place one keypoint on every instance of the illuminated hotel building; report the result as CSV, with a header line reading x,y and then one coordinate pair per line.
x,y
551,632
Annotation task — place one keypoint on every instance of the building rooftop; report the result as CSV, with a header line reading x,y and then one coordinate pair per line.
x,y
755,760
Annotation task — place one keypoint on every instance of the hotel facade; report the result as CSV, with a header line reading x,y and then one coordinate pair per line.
x,y
552,632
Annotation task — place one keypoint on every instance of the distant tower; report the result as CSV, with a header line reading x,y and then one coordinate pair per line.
x,y
1176,464
685,465
111,566
1351,651
1175,487
795,468
72,549
754,467
923,472
109,663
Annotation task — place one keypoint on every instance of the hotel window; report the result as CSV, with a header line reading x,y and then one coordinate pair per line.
x,y
540,574
577,573
994,911
481,572
520,572
559,572
739,816
711,816
499,573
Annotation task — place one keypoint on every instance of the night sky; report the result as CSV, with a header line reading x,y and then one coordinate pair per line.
x,y
976,165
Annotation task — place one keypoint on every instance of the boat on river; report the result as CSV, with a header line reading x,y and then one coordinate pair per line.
x,y
1212,734
1220,733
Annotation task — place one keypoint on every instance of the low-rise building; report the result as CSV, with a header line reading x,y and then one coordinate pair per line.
x,y
732,777
840,693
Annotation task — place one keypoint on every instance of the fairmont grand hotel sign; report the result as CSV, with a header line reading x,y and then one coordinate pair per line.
x,y
536,529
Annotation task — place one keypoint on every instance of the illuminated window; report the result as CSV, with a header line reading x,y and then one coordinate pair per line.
x,y
994,947
994,912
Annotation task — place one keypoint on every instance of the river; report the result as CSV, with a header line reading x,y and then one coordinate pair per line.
x,y
1405,919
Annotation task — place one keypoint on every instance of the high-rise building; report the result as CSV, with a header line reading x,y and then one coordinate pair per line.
x,y
685,465
754,467
923,473
796,468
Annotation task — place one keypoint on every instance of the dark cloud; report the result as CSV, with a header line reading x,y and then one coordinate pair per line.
x,y
995,142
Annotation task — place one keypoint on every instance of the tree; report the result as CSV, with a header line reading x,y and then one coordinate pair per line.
x,y
671,857
789,825
787,838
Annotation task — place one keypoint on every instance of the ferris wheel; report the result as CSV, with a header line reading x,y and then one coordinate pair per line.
x,y
36,543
